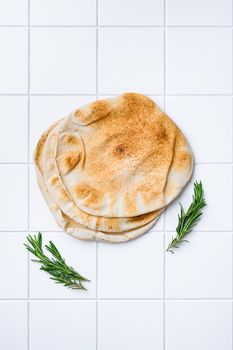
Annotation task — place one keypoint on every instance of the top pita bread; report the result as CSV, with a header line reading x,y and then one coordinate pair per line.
x,y
121,157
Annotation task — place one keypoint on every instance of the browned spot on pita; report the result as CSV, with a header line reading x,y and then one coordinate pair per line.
x,y
71,140
114,225
71,160
54,180
88,195
63,194
120,150
161,134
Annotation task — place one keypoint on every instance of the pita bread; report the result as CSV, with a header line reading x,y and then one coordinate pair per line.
x,y
78,231
122,157
60,195
69,225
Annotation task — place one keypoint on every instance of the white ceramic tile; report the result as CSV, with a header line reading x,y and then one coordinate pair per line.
x,y
64,324
131,12
199,12
199,61
13,325
13,199
13,145
206,122
130,325
13,270
129,62
63,60
63,12
14,12
44,110
40,217
80,255
217,184
209,275
159,225
120,267
203,325
159,100
13,60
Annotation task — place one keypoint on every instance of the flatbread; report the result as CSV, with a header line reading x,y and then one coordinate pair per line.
x,y
59,194
69,225
122,157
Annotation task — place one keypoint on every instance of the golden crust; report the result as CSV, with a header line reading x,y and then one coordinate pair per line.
x,y
128,146
71,226
60,196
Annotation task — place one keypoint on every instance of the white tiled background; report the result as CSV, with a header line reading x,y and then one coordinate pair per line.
x,y
58,54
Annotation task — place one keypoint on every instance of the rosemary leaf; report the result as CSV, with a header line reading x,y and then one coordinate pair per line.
x,y
55,266
187,220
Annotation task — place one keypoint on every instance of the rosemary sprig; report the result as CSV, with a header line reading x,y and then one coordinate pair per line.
x,y
187,220
56,265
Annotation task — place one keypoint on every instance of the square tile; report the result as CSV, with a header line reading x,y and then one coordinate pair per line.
x,y
199,12
13,145
159,100
13,60
205,325
206,122
40,217
120,266
44,110
217,184
17,266
130,325
13,199
69,325
209,276
63,60
66,12
159,225
129,62
130,12
191,68
14,12
13,325
80,255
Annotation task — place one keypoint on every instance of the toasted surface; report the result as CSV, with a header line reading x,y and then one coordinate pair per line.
x,y
122,157
60,195
65,222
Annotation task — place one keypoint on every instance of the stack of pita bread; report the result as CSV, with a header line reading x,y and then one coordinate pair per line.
x,y
108,169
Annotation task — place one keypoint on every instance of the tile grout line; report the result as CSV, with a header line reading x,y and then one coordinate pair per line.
x,y
119,299
114,93
28,199
195,163
160,231
115,26
97,243
231,175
